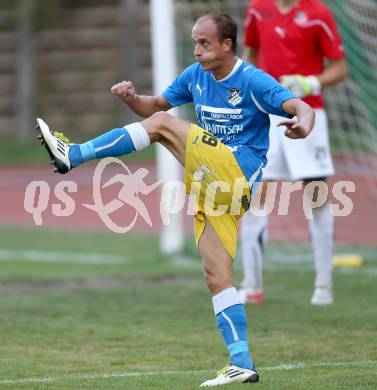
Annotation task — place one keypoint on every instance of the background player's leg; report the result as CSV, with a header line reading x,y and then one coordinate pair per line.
x,y
253,234
254,229
322,231
322,238
230,313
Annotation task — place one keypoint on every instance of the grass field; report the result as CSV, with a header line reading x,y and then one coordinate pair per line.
x,y
102,311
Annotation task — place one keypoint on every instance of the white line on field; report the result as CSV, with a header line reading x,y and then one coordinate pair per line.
x,y
186,262
285,367
60,257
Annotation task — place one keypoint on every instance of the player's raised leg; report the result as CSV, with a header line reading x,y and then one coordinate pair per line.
x,y
160,127
229,311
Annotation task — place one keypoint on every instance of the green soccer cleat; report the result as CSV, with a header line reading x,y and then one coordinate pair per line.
x,y
57,146
232,374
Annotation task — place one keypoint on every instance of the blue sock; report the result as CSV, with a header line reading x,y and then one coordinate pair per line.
x,y
114,143
232,323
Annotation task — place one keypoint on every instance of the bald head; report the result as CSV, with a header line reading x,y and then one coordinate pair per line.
x,y
225,26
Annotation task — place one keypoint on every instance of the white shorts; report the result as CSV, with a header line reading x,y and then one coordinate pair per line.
x,y
307,158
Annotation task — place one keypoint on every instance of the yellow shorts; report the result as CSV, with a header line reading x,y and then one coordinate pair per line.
x,y
222,193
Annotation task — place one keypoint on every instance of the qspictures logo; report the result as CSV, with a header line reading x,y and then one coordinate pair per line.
x,y
217,197
132,185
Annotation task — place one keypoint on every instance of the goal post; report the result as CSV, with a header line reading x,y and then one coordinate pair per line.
x,y
164,71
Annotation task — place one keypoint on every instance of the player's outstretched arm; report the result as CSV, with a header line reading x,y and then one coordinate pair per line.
x,y
302,125
142,105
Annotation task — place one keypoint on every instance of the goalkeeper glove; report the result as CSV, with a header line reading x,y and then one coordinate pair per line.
x,y
301,86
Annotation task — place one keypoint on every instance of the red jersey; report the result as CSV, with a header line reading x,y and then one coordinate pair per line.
x,y
296,42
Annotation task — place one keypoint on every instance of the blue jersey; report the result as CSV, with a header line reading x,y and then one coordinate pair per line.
x,y
234,109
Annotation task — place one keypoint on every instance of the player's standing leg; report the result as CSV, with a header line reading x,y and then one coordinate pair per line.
x,y
229,311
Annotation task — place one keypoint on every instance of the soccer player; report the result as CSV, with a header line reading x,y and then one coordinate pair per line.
x,y
232,100
291,39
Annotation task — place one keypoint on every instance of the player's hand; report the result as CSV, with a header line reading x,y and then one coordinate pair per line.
x,y
294,129
301,86
124,90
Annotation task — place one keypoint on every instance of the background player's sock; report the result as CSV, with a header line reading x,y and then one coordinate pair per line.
x,y
116,142
232,322
322,235
253,236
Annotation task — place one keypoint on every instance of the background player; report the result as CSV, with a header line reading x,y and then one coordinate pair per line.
x,y
232,99
291,39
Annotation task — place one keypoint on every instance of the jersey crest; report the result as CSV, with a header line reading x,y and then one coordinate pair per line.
x,y
234,96
301,18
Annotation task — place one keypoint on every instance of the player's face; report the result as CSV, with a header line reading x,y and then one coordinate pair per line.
x,y
209,51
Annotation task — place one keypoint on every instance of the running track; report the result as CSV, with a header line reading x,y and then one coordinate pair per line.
x,y
360,227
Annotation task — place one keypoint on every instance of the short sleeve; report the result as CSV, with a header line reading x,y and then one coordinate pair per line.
x,y
268,95
179,92
251,38
329,37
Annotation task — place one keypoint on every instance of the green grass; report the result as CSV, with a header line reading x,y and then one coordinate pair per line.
x,y
94,326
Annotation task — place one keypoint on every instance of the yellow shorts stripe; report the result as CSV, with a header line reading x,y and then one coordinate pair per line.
x,y
214,176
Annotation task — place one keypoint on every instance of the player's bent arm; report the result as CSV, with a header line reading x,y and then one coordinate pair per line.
x,y
145,106
302,125
140,104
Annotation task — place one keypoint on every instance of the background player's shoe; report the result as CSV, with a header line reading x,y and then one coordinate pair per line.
x,y
232,374
248,295
57,146
322,296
